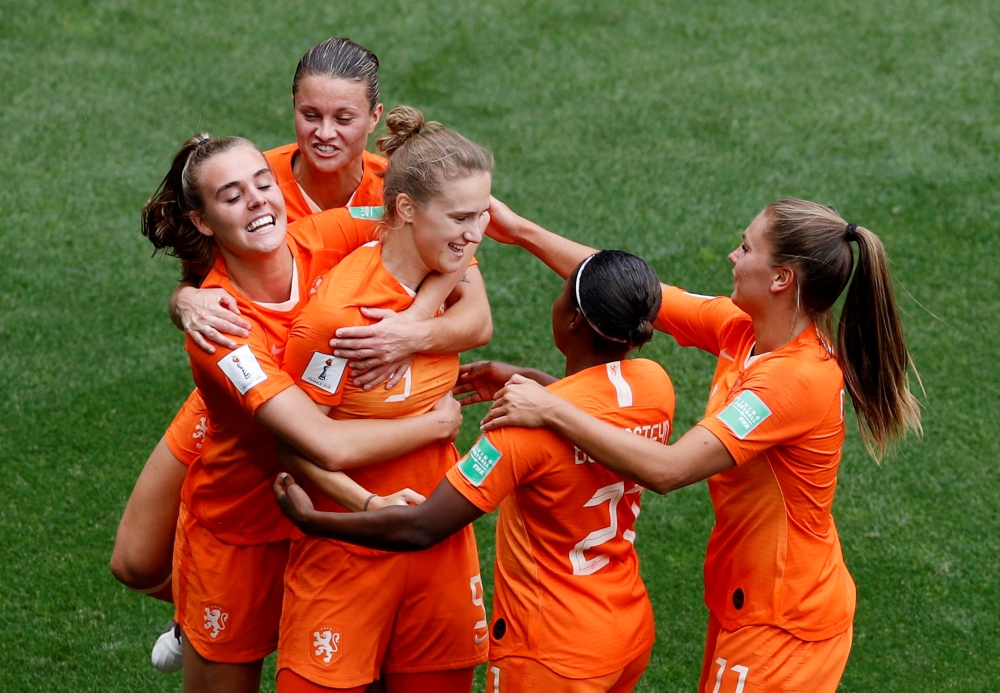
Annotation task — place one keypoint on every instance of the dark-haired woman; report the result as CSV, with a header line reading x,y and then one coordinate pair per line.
x,y
219,201
570,610
780,597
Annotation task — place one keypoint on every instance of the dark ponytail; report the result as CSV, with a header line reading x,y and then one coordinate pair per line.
x,y
166,216
619,296
816,241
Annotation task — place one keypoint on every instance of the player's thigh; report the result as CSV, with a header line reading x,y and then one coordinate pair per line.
x,y
441,624
144,542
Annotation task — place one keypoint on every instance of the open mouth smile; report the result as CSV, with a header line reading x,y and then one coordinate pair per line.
x,y
258,224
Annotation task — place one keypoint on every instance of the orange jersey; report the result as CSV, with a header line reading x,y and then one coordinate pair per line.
x,y
362,280
367,197
568,592
228,488
774,557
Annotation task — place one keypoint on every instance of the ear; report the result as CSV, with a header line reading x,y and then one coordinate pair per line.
x,y
376,117
405,208
576,320
784,278
200,224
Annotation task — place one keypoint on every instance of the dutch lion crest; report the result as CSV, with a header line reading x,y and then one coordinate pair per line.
x,y
326,643
215,620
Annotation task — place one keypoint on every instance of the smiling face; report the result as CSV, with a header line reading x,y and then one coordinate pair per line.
x,y
333,120
244,209
754,274
446,224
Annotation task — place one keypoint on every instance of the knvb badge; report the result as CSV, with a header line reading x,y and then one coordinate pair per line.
x,y
480,461
744,414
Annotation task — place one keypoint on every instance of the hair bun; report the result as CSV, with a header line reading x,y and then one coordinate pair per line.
x,y
641,333
403,123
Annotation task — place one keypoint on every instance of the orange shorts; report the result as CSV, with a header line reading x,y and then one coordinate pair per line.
x,y
227,598
755,659
350,613
523,675
186,432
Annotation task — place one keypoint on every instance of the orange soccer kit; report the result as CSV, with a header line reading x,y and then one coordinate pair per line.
x,y
232,538
776,584
366,200
570,611
350,612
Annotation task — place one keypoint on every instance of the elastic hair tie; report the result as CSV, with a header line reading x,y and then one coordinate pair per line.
x,y
852,233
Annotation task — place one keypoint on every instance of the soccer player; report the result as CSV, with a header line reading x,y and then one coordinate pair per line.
x,y
570,610
780,597
219,203
352,615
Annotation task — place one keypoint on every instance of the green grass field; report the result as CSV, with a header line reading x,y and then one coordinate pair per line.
x,y
656,127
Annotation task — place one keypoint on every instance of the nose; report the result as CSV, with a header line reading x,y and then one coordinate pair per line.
x,y
326,129
255,198
733,256
475,235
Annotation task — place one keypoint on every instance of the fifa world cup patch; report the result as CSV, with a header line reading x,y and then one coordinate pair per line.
x,y
367,213
242,369
480,461
325,371
744,414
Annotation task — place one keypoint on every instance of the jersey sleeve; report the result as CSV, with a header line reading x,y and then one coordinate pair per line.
x,y
248,375
309,360
775,406
695,320
186,433
498,463
339,230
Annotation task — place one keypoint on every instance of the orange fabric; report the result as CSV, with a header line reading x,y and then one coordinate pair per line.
x,y
348,615
765,659
774,556
290,682
186,433
368,194
568,592
522,675
228,598
362,280
459,681
229,486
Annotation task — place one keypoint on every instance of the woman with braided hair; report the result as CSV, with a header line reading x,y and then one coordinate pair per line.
x,y
780,597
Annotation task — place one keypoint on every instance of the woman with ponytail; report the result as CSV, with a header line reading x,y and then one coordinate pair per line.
x,y
219,201
780,597
352,615
570,611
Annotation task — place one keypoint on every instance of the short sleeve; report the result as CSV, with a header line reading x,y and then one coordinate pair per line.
x,y
248,375
309,360
498,463
339,230
695,320
186,433
776,405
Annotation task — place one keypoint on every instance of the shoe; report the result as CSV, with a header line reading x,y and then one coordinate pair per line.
x,y
168,653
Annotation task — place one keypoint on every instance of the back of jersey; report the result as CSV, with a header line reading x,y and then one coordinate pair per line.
x,y
568,591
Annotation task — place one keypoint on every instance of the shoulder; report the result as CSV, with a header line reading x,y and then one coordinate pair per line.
x,y
374,163
281,156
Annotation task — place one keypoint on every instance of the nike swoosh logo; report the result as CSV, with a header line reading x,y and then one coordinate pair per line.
x,y
277,350
725,354
479,640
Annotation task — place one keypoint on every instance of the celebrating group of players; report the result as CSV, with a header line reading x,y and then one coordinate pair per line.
x,y
308,497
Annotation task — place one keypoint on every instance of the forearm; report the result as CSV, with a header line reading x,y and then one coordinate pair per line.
x,y
398,528
561,254
540,377
656,466
336,486
437,287
466,324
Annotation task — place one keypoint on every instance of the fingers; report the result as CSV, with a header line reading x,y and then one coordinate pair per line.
x,y
373,313
462,388
202,343
370,378
230,304
469,369
353,333
395,378
410,497
472,399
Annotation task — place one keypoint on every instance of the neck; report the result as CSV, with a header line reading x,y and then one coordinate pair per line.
x,y
264,279
328,189
593,355
401,258
775,331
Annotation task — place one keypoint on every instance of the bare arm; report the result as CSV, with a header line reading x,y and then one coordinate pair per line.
x,y
410,528
208,315
386,347
560,254
336,445
660,468
483,379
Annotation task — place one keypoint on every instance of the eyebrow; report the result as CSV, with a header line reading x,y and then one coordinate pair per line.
x,y
236,183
